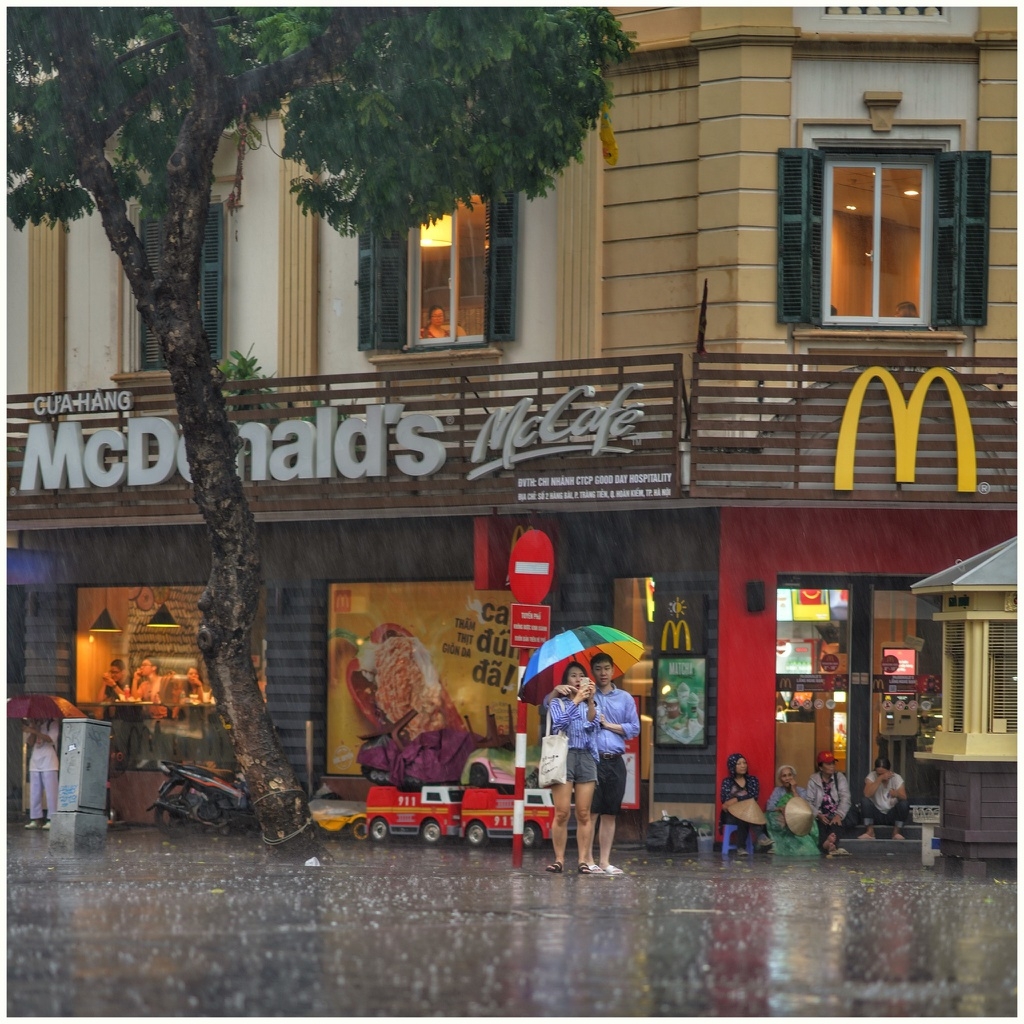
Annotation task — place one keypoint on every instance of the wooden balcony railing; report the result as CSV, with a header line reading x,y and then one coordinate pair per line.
x,y
766,428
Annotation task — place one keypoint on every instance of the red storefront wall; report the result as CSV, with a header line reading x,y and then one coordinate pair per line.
x,y
759,543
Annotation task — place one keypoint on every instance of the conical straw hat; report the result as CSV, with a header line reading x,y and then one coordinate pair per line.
x,y
748,811
799,816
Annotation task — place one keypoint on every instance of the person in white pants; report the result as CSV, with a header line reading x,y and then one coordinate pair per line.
x,y
43,767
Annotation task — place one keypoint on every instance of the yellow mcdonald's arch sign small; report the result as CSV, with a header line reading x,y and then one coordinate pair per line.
x,y
906,417
677,629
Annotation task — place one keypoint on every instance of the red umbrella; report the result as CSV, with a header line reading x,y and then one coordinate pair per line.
x,y
40,705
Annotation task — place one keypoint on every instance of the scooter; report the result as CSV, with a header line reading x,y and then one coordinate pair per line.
x,y
209,796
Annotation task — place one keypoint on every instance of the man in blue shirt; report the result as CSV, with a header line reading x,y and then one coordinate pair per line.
x,y
616,712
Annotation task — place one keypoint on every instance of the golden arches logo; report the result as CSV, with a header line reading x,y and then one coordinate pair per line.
x,y
906,418
677,630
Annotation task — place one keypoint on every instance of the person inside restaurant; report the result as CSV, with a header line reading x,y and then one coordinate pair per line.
x,y
146,682
113,679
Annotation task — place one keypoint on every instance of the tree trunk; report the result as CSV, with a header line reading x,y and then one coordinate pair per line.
x,y
230,600
167,297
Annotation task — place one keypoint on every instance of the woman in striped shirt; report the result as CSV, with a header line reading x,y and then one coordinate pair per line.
x,y
575,714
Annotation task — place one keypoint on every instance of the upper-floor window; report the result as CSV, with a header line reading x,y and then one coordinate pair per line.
x,y
446,283
211,286
892,240
875,235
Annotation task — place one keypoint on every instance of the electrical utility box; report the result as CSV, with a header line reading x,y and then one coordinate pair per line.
x,y
84,761
80,824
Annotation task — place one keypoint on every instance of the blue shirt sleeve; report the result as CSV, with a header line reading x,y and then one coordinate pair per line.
x,y
631,725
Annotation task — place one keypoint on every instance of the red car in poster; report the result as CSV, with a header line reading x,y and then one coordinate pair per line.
x,y
432,813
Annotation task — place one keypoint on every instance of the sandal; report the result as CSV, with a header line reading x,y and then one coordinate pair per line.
x,y
555,867
585,869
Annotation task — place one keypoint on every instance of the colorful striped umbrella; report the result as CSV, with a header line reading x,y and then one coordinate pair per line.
x,y
544,670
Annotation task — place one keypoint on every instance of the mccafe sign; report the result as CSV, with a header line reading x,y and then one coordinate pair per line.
x,y
150,450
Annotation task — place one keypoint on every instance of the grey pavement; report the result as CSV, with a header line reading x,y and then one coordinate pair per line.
x,y
191,924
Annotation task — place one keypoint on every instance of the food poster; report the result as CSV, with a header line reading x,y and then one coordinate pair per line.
x,y
682,702
438,649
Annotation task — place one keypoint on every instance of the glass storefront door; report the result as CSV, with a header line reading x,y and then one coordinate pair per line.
x,y
906,686
812,675
858,671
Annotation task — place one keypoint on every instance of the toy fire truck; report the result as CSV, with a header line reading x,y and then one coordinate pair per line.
x,y
432,813
487,814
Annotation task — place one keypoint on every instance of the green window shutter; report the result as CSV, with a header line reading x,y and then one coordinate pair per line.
x,y
975,183
383,277
211,280
946,284
152,232
501,268
801,200
960,244
211,284
366,290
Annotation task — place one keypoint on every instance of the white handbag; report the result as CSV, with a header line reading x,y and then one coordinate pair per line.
x,y
554,752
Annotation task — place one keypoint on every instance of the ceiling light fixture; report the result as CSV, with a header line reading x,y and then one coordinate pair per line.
x,y
911,192
104,623
851,207
163,619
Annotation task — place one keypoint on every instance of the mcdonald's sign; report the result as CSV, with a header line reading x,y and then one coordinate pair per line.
x,y
680,620
676,632
906,417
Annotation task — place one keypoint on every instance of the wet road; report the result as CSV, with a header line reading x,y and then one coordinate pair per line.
x,y
204,925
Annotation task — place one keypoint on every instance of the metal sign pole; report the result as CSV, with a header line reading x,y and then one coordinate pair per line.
x,y
519,804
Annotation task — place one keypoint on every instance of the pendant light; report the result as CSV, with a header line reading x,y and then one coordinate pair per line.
x,y
104,623
163,619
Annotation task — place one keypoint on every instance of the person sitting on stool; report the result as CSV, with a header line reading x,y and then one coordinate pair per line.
x,y
885,800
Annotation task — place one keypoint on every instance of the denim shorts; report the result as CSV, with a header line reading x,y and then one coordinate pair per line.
x,y
580,766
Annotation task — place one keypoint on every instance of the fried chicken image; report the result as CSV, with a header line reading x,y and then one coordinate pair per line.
x,y
405,678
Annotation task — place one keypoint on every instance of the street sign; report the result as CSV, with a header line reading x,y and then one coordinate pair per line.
x,y
531,567
530,625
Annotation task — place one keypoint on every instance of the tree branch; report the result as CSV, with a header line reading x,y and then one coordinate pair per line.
x,y
140,100
77,74
308,67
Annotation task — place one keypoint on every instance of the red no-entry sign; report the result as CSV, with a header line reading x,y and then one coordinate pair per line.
x,y
531,567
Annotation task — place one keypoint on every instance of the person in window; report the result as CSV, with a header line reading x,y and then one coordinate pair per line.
x,y
146,683
112,683
906,308
885,800
196,690
436,326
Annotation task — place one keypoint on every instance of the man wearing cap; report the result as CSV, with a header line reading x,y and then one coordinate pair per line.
x,y
616,711
828,793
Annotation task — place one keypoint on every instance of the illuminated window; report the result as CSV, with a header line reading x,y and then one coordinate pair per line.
x,y
448,259
876,238
899,240
449,282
